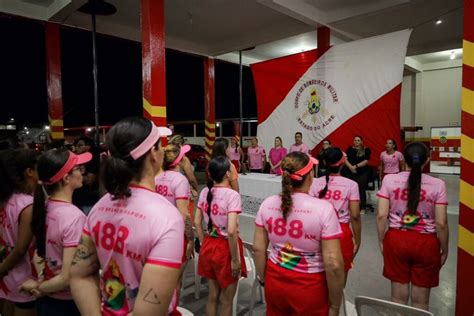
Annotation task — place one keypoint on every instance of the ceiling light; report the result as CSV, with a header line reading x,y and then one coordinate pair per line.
x,y
89,129
453,55
438,21
47,127
218,124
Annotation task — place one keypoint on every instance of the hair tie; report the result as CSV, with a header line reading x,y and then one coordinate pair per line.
x,y
415,158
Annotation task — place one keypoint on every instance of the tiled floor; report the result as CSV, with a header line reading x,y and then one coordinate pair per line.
x,y
366,276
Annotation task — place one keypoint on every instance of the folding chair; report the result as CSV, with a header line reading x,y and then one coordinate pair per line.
x,y
369,306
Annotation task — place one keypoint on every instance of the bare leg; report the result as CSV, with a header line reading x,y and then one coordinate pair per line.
x,y
400,292
214,292
227,298
25,312
420,297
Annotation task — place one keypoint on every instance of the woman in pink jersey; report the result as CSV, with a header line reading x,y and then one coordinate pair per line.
x,y
221,258
57,225
175,188
235,152
304,272
391,160
415,246
276,155
220,150
343,194
18,181
133,233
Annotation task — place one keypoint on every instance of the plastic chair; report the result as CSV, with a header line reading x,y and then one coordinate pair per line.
x,y
184,311
373,306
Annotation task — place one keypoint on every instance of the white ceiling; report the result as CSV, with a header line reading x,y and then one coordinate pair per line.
x,y
436,57
275,27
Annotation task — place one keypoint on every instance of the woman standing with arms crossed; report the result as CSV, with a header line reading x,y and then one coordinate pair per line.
x,y
57,226
357,162
343,194
391,160
18,182
304,274
415,247
276,155
133,234
221,258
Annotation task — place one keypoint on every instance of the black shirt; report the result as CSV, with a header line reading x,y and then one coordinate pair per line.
x,y
354,159
88,195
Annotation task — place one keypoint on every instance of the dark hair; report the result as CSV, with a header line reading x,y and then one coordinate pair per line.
x,y
237,144
119,169
327,140
331,156
217,168
393,142
278,137
361,150
292,162
171,153
220,147
13,166
298,133
415,155
48,165
87,141
177,140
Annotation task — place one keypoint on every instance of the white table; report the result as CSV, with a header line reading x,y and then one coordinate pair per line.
x,y
255,187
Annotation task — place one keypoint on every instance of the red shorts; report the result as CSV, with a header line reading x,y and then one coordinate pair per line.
x,y
295,293
214,261
411,257
347,246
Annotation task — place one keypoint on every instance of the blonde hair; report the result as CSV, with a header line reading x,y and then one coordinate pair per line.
x,y
171,152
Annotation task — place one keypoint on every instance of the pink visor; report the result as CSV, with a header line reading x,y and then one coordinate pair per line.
x,y
182,152
150,141
72,161
298,175
341,161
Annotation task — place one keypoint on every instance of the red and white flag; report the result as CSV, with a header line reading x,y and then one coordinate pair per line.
x,y
352,89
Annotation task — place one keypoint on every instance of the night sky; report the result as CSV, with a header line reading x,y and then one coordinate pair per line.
x,y
23,72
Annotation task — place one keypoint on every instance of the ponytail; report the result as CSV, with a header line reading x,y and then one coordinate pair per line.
x,y
323,192
210,185
116,175
414,187
287,190
38,221
416,155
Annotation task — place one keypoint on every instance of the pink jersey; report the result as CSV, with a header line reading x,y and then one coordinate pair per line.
x,y
256,156
302,148
173,186
64,224
296,242
276,155
23,270
129,233
232,154
340,192
433,192
391,162
224,201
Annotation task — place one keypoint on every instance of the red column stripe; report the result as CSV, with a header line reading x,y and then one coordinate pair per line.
x,y
467,168
210,130
464,293
468,77
466,217
468,20
467,123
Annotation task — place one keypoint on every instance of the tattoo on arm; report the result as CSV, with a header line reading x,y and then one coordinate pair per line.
x,y
152,298
82,253
188,228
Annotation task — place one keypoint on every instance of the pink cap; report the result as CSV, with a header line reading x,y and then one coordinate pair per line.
x,y
298,175
182,152
72,161
341,161
150,141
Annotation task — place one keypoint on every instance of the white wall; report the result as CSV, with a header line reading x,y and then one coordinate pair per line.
x,y
432,98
